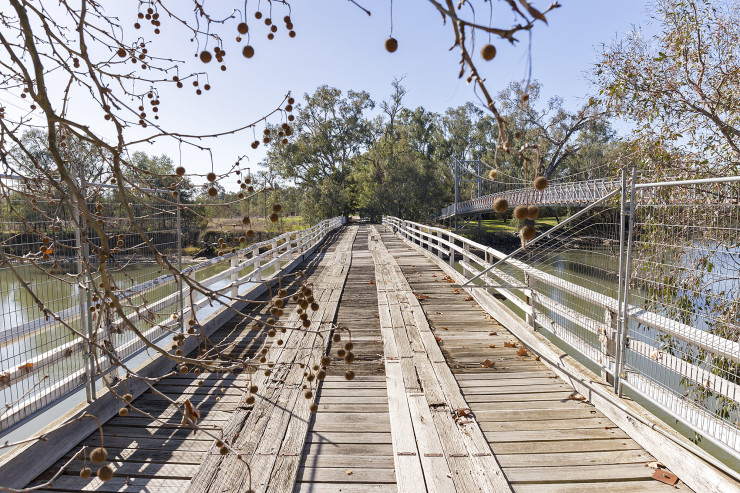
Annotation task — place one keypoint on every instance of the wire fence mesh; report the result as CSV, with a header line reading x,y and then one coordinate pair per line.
x,y
45,303
673,335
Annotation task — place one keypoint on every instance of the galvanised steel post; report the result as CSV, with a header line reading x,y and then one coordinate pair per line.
x,y
456,192
620,314
626,281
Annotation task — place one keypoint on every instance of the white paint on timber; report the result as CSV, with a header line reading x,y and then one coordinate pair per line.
x,y
453,453
691,464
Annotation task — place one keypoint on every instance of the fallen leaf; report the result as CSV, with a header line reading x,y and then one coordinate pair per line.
x,y
488,363
509,344
371,282
445,328
349,472
493,333
492,346
438,313
536,358
191,414
522,352
456,291
5,378
654,464
26,367
439,339
469,298
576,397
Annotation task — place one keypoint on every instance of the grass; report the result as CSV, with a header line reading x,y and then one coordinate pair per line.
x,y
286,223
500,226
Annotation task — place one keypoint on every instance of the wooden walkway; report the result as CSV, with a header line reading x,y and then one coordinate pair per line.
x,y
423,412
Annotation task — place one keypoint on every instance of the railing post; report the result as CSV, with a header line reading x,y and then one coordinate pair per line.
x,y
608,340
439,244
235,276
452,250
257,270
466,257
531,283
488,257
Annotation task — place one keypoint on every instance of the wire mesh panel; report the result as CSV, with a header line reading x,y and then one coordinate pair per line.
x,y
36,281
684,303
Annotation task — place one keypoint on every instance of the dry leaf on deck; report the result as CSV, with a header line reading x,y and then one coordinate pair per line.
x,y
492,345
509,344
488,363
522,352
493,333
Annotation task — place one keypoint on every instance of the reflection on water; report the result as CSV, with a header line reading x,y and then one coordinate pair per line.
x,y
26,333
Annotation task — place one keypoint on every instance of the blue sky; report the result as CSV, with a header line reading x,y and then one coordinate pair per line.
x,y
339,45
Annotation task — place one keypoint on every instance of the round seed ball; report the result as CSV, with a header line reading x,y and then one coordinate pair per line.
x,y
349,375
488,52
540,183
223,450
85,473
211,177
98,455
212,192
128,397
105,473
349,346
205,56
500,205
123,411
391,45
242,28
308,394
314,407
527,233
492,174
533,212
248,51
253,389
520,212
274,217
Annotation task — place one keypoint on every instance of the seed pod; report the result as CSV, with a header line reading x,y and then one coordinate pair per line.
x,y
250,400
341,353
123,411
527,233
314,306
391,45
128,397
242,28
223,450
325,361
248,52
308,394
211,177
98,455
350,357
500,205
321,375
85,473
253,389
540,183
349,375
337,337
274,217
205,56
520,212
314,407
105,473
492,174
533,212
488,52
349,346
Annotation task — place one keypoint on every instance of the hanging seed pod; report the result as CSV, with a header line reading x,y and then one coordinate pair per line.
x,y
105,473
391,45
500,205
533,212
492,174
527,233
540,183
488,52
98,455
520,212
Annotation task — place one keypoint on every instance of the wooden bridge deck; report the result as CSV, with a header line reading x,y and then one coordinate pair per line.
x,y
422,414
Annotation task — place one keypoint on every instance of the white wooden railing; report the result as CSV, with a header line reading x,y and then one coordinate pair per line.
x,y
257,262
594,338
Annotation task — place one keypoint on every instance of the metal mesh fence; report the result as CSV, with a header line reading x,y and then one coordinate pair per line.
x,y
647,289
684,303
47,298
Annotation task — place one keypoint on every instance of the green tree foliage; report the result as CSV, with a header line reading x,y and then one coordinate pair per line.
x,y
400,161
681,86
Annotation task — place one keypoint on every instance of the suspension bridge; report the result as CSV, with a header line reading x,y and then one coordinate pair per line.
x,y
475,371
